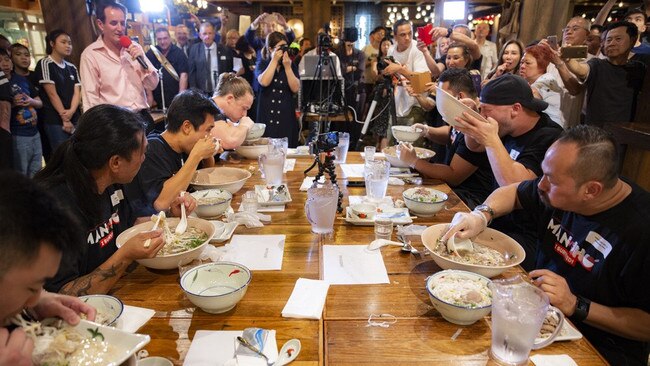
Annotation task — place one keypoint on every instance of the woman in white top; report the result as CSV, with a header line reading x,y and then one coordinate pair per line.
x,y
545,86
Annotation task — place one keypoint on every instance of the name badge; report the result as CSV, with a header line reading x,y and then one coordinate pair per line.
x,y
223,57
116,197
514,154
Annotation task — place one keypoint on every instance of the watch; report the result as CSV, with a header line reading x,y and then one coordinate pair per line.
x,y
581,311
485,208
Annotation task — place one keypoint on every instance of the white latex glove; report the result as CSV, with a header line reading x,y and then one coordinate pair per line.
x,y
466,225
422,128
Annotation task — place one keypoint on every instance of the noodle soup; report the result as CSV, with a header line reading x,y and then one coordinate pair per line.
x,y
461,297
482,255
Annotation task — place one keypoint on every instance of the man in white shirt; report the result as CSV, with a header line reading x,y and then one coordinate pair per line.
x,y
408,59
488,49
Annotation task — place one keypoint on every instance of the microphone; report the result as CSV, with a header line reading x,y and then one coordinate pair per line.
x,y
126,42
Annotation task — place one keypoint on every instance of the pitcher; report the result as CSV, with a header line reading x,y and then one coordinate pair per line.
x,y
518,311
272,167
279,143
320,207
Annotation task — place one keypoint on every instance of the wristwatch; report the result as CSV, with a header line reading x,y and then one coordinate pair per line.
x,y
581,311
485,208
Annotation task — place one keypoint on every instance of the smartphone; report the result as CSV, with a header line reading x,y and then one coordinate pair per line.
x,y
552,41
573,52
424,34
356,183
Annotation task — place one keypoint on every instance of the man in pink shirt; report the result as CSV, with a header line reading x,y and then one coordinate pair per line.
x,y
111,74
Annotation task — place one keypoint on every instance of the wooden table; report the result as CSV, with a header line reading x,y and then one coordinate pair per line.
x,y
420,335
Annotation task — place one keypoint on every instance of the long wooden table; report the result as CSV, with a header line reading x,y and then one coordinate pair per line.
x,y
341,336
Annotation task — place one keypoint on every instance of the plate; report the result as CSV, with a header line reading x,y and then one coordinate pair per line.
x,y
227,230
399,216
568,333
263,193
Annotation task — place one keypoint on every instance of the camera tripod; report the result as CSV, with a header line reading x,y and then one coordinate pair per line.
x,y
327,167
326,93
386,88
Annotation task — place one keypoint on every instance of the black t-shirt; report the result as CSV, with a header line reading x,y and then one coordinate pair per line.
x,y
115,217
5,88
65,79
178,60
478,186
161,163
612,90
604,258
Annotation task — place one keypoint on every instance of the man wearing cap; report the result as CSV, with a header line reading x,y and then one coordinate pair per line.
x,y
371,51
515,139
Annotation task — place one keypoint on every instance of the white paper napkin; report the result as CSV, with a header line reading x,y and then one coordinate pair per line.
x,y
133,318
388,200
411,230
307,299
289,164
377,155
353,265
278,208
352,170
257,252
308,181
216,348
553,360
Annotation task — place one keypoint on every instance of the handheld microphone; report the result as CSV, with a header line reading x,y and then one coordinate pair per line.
x,y
126,42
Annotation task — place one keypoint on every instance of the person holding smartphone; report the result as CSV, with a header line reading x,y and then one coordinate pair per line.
x,y
278,80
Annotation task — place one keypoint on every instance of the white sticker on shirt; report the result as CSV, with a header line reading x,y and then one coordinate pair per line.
x,y
599,243
116,197
514,154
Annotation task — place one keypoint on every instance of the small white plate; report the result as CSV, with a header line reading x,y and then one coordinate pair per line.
x,y
263,194
568,333
226,234
399,216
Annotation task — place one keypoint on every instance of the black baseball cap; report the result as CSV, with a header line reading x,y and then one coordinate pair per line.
x,y
509,89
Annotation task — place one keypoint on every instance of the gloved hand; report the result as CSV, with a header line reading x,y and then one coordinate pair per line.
x,y
422,128
466,225
406,153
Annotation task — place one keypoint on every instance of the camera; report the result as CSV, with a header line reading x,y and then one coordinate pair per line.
x,y
382,63
327,141
324,41
291,51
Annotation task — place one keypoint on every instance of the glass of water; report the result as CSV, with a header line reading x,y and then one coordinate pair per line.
x,y
341,151
369,153
249,202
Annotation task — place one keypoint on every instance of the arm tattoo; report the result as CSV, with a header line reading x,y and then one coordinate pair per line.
x,y
82,285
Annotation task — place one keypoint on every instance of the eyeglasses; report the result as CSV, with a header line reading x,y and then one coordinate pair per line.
x,y
575,28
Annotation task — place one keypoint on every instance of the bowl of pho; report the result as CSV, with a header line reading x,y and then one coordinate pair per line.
x,y
492,252
178,249
461,297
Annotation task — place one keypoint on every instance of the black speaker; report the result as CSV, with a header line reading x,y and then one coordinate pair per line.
x,y
350,34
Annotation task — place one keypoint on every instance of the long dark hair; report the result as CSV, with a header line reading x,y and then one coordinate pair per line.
x,y
103,132
51,37
271,40
380,54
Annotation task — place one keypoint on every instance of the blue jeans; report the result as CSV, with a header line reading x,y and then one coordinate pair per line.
x,y
55,135
28,154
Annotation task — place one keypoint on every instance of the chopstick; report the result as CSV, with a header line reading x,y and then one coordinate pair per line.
x,y
147,242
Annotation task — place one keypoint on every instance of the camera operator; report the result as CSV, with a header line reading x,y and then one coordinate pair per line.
x,y
353,66
323,47
408,59
278,80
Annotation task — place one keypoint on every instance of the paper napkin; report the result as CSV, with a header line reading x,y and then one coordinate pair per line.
x,y
217,348
553,360
289,164
133,318
307,299
352,170
257,252
353,265
308,181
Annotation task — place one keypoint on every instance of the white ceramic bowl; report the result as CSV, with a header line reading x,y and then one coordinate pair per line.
x,y
450,108
174,260
212,202
216,287
364,210
461,315
424,209
256,131
108,308
489,237
229,179
391,155
154,361
406,133
251,151
126,344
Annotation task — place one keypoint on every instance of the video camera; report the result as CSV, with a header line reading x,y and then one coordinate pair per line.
x,y
324,41
327,141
